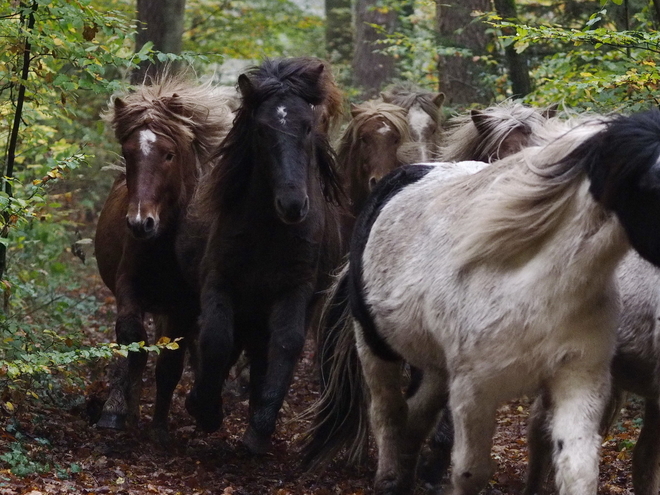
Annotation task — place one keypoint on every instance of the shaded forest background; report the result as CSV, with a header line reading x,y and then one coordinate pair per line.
x,y
61,60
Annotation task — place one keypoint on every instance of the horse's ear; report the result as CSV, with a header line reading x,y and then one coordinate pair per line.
x,y
439,99
245,85
119,104
551,111
386,97
319,69
480,120
354,110
174,104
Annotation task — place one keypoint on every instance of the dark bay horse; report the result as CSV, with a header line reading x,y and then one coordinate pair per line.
x,y
424,114
168,132
267,239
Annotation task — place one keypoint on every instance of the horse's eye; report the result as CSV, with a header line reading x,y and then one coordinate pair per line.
x,y
308,129
169,157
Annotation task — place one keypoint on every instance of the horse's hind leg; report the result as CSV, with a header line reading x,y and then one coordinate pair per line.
x,y
539,444
423,408
169,368
578,398
646,456
388,413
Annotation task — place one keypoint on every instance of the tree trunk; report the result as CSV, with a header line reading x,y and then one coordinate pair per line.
x,y
372,70
339,31
460,77
521,84
161,22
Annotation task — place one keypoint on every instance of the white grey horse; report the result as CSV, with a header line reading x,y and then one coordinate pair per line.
x,y
498,284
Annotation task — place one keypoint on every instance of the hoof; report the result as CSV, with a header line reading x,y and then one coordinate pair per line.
x,y
393,486
255,443
112,421
207,419
161,437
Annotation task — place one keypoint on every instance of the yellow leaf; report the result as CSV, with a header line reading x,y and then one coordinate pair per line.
x,y
164,340
585,74
58,42
9,406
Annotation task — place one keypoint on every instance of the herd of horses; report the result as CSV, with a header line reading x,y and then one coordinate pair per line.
x,y
499,266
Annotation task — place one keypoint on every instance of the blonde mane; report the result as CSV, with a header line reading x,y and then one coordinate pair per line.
x,y
521,197
464,141
187,112
395,114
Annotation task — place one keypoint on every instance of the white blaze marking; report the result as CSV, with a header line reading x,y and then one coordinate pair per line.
x,y
146,138
138,217
418,120
385,129
281,113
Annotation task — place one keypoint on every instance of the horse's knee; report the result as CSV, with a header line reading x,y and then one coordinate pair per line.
x,y
129,328
470,480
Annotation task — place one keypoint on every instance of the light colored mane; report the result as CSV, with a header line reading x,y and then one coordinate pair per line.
x,y
521,198
407,94
174,106
350,139
463,141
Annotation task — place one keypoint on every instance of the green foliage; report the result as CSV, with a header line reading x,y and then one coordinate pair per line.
x,y
252,29
594,68
78,55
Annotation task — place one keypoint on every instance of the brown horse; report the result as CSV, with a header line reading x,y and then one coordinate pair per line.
x,y
368,150
424,114
268,240
168,133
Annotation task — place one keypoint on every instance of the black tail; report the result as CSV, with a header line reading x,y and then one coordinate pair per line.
x,y
339,416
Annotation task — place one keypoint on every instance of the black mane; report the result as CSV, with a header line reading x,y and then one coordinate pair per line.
x,y
302,77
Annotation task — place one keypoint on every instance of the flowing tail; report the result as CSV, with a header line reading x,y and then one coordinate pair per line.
x,y
339,416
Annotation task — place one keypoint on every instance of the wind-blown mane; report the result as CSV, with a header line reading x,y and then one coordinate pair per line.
x,y
235,158
407,94
467,140
179,109
346,154
523,204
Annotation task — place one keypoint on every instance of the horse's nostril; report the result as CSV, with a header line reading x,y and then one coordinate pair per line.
x,y
372,183
149,224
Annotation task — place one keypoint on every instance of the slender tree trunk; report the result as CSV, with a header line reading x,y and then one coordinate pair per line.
x,y
372,70
460,77
656,5
16,125
521,83
161,22
339,31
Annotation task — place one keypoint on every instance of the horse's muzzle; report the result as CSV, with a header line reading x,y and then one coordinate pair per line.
x,y
291,210
143,227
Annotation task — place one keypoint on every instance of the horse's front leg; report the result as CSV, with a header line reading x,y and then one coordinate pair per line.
x,y
269,383
123,404
215,348
646,456
578,397
539,445
169,367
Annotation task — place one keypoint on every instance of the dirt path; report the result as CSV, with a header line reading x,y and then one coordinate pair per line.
x,y
94,461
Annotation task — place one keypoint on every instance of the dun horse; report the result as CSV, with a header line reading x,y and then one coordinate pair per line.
x,y
168,133
272,240
424,114
504,283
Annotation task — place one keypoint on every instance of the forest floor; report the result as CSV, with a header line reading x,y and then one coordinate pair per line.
x,y
87,460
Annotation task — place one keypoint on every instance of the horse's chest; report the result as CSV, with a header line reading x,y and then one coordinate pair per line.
x,y
267,265
158,282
